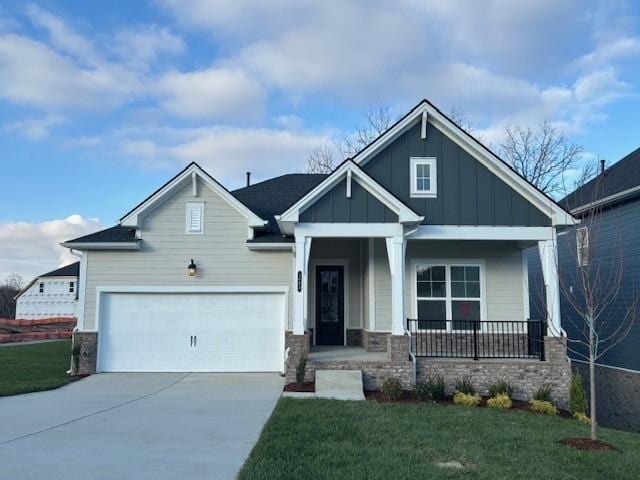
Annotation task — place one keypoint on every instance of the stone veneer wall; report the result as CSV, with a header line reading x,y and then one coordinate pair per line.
x,y
374,373
374,341
88,342
617,396
526,376
298,349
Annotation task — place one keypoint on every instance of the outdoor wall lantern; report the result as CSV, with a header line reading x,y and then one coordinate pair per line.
x,y
191,269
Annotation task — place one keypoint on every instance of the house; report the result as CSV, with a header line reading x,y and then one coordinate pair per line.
x,y
609,206
52,295
407,255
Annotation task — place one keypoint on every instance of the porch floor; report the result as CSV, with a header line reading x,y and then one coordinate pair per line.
x,y
344,354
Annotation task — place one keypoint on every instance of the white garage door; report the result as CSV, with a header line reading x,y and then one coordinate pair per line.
x,y
191,332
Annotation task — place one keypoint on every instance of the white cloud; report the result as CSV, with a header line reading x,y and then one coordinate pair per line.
x,y
604,54
213,92
35,128
226,152
34,74
141,45
62,36
31,249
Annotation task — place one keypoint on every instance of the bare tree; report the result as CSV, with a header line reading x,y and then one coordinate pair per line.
x,y
591,286
321,159
377,119
544,156
8,290
459,117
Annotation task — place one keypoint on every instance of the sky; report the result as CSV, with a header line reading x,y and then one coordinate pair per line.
x,y
101,102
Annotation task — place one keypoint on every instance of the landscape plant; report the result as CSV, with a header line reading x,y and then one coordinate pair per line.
x,y
466,399
392,388
465,385
501,400
500,387
540,406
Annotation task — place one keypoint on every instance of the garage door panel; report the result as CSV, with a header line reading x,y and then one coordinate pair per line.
x,y
152,332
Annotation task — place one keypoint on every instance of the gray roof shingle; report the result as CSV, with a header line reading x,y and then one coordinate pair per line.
x,y
620,176
114,234
71,270
272,197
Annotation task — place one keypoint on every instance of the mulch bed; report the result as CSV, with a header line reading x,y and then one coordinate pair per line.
x,y
410,397
296,387
588,444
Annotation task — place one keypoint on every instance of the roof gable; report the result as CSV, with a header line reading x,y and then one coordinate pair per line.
x,y
467,192
350,172
192,172
336,207
425,113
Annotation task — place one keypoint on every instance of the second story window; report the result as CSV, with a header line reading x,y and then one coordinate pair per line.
x,y
72,287
424,179
41,287
194,218
582,246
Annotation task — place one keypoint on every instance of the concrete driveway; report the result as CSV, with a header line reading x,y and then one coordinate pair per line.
x,y
136,426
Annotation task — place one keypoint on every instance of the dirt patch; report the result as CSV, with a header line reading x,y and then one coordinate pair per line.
x,y
297,387
588,444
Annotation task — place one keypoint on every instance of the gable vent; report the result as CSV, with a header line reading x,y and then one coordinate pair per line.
x,y
194,217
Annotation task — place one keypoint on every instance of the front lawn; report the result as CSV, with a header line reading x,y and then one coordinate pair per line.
x,y
368,440
35,367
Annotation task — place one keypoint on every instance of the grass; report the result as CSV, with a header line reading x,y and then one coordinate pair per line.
x,y
325,439
35,367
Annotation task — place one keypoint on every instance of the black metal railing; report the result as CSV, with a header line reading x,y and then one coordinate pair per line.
x,y
477,339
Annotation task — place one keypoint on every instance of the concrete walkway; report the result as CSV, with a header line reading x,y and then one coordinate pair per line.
x,y
139,426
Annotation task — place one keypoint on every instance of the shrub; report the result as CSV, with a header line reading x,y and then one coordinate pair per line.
x,y
541,406
577,398
432,389
464,385
466,399
500,387
423,392
581,417
543,394
300,371
392,388
501,400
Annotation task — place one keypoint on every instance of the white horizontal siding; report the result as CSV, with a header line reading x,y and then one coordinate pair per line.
x,y
220,252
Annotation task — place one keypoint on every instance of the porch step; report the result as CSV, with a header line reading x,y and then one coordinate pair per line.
x,y
339,384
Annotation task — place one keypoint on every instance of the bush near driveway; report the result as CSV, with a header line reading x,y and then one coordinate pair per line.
x,y
325,439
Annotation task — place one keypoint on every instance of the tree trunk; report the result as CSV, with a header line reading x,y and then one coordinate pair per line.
x,y
592,385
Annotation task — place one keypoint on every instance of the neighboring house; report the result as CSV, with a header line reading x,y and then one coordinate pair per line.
x,y
614,232
54,294
424,223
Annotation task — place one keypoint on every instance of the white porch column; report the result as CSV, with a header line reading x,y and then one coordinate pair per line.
x,y
549,260
395,249
300,275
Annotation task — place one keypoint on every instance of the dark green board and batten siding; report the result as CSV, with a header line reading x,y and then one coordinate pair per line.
x,y
335,207
468,193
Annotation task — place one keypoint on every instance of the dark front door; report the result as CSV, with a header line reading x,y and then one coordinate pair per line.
x,y
329,305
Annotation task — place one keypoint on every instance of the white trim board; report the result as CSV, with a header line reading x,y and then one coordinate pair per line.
x,y
344,263
455,232
102,245
488,159
188,174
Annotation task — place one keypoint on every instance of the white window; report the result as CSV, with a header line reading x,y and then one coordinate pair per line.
x,y
424,177
72,287
41,287
195,218
582,246
449,296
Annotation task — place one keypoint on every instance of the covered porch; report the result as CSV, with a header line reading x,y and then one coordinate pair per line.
x,y
458,296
